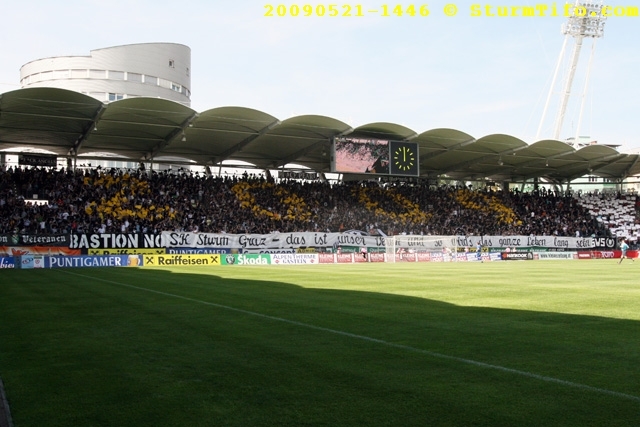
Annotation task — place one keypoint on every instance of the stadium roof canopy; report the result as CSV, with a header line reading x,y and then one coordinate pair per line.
x,y
71,124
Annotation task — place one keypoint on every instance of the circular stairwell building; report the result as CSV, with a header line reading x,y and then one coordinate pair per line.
x,y
158,70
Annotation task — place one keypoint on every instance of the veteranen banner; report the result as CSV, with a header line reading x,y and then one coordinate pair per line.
x,y
35,239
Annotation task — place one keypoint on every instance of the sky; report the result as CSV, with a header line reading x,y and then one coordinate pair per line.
x,y
481,75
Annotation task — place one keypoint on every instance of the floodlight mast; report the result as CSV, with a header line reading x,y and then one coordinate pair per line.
x,y
586,20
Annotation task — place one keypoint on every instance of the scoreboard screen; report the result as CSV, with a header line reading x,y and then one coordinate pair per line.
x,y
375,156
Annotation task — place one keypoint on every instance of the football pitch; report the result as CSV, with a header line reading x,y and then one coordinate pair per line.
x,y
523,343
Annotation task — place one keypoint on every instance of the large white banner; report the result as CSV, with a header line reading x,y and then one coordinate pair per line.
x,y
281,241
549,242
267,241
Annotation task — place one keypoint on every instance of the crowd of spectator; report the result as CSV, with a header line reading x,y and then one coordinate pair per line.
x,y
136,201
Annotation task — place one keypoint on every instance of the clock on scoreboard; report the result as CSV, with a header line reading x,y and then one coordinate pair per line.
x,y
404,158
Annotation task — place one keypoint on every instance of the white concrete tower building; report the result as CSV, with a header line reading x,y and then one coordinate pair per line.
x,y
158,70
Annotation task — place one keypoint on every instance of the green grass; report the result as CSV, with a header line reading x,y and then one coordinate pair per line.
x,y
549,343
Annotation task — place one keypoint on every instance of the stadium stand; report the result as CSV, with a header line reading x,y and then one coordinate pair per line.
x,y
135,201
616,212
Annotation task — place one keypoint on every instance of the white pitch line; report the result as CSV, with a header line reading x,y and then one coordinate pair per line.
x,y
382,342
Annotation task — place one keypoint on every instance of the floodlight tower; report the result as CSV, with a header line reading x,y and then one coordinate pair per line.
x,y
586,19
